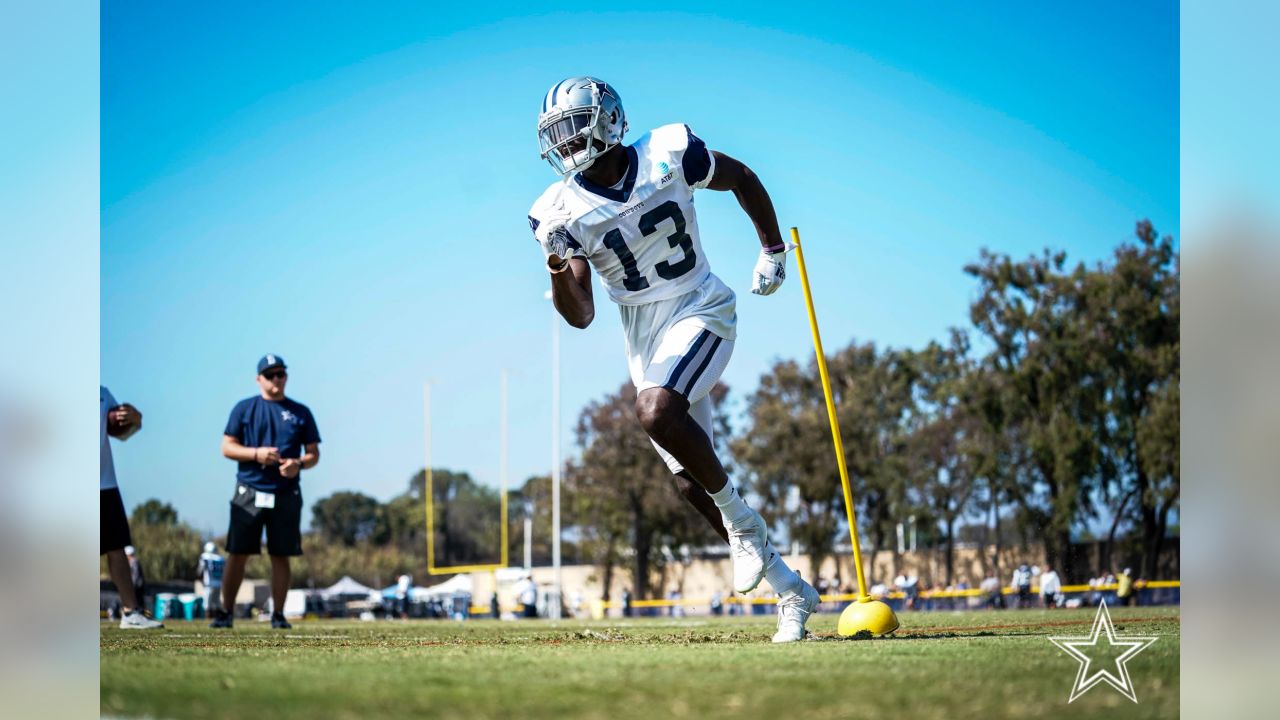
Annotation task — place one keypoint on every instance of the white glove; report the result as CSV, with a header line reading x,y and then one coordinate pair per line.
x,y
553,238
770,271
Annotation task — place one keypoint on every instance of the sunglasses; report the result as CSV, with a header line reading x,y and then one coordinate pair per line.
x,y
275,374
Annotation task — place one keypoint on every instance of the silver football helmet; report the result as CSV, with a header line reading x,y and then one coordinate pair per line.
x,y
581,118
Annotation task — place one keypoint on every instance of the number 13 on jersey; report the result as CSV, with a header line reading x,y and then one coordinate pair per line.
x,y
648,225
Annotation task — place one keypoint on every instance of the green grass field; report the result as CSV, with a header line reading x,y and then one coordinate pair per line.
x,y
939,665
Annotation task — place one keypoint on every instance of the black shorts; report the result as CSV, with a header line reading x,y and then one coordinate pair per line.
x,y
283,523
113,533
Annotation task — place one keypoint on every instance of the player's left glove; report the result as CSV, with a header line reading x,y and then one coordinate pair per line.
x,y
770,271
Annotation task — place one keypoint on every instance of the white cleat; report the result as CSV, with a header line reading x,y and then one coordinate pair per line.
x,y
793,612
747,549
137,621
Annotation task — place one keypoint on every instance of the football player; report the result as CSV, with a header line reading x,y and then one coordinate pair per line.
x,y
627,211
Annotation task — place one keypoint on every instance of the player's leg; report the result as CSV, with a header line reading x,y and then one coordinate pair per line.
x,y
797,599
701,501
695,371
685,364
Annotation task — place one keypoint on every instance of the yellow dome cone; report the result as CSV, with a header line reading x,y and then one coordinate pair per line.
x,y
866,616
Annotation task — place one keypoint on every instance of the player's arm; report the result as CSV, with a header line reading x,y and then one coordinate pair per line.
x,y
771,267
731,174
571,293
570,273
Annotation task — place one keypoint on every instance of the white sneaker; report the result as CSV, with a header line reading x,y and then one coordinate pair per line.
x,y
746,547
137,621
794,611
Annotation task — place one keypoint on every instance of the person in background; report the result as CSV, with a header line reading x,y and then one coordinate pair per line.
x,y
1022,583
210,570
1124,589
909,586
272,438
403,585
120,421
1050,587
526,591
990,587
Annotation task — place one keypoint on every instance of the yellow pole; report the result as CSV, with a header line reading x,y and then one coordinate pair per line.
x,y
835,425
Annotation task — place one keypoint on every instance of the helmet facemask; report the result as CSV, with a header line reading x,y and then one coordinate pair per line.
x,y
572,135
569,141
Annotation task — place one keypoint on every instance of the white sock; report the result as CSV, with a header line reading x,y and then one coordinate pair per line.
x,y
732,507
782,579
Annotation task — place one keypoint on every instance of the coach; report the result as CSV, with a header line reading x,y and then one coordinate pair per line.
x,y
273,438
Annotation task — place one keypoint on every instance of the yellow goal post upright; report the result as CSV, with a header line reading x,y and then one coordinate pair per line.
x,y
432,568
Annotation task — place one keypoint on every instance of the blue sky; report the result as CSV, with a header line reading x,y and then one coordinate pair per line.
x,y
348,187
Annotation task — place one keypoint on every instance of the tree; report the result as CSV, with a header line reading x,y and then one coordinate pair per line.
x,y
1050,393
167,548
944,447
1135,313
533,500
349,518
153,512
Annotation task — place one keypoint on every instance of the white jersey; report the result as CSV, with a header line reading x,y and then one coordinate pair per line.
x,y
641,237
210,568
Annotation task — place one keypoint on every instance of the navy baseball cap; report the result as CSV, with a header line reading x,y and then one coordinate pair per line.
x,y
269,361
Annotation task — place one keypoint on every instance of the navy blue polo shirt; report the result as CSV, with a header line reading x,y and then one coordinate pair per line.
x,y
285,425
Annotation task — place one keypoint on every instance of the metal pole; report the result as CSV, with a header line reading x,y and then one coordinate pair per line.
x,y
426,488
529,543
555,462
503,476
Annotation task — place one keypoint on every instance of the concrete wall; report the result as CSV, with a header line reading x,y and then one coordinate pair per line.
x,y
701,578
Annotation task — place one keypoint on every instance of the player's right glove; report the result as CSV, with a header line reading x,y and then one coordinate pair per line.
x,y
554,239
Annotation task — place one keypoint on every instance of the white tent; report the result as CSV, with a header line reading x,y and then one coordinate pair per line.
x,y
452,586
347,587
